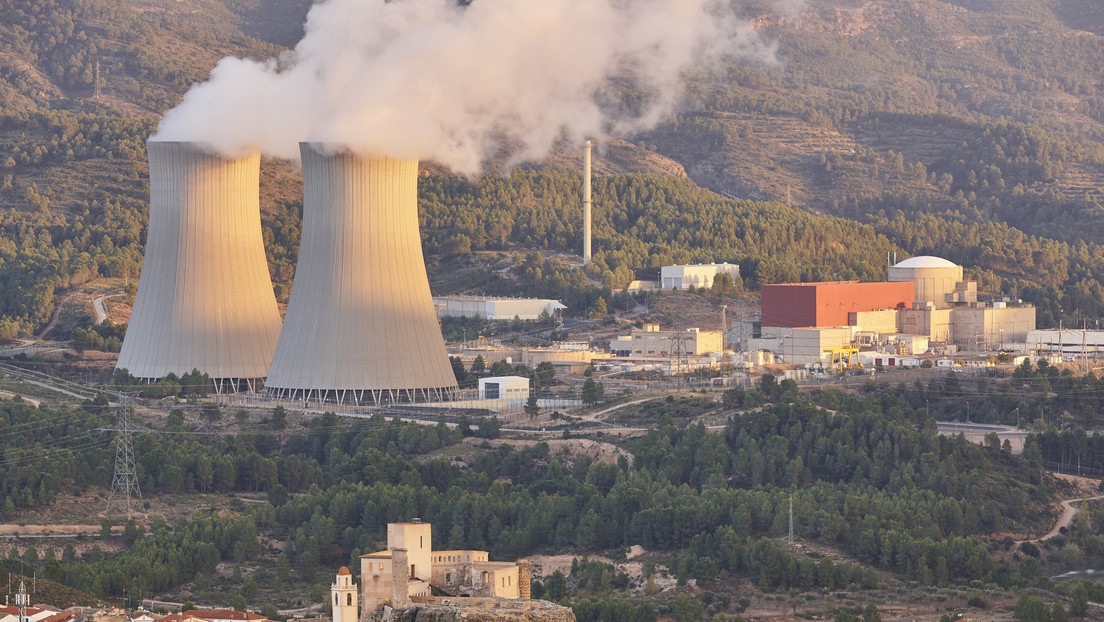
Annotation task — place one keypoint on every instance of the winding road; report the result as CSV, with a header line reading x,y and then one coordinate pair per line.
x,y
1069,511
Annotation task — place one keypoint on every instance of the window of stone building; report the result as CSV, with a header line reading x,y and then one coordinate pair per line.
x,y
348,599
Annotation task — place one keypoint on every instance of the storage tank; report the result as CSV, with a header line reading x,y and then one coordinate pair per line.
x,y
360,325
205,299
935,277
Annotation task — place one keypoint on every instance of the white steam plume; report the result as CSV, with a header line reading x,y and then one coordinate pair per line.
x,y
433,80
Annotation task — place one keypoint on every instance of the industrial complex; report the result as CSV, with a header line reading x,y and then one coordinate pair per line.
x,y
363,329
925,303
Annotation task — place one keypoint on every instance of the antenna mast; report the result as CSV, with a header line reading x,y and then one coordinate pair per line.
x,y
124,484
22,601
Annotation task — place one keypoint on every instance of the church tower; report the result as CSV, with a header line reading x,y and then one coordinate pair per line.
x,y
344,597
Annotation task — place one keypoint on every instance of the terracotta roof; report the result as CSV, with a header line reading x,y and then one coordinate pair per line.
x,y
223,614
344,571
61,616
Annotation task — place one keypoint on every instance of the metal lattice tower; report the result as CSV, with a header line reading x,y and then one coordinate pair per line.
x,y
124,483
22,601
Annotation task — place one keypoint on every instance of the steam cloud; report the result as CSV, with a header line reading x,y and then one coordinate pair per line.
x,y
433,80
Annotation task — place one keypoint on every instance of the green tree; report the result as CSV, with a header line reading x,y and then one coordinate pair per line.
x,y
277,495
555,587
593,392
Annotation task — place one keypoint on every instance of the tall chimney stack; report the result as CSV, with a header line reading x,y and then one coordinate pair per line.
x,y
586,204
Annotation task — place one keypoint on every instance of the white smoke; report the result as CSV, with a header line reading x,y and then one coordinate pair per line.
x,y
430,79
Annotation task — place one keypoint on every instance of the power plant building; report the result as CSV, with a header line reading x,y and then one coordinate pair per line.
x,y
497,308
361,326
204,299
697,275
925,301
935,279
649,340
830,303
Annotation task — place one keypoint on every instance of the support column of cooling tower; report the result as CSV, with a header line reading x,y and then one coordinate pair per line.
x,y
586,204
205,298
360,325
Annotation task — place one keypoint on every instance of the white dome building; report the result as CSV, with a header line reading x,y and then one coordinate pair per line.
x,y
935,278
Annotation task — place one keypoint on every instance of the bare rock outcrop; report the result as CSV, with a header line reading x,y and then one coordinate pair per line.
x,y
477,610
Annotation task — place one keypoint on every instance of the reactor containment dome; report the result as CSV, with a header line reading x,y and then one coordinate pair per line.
x,y
935,278
205,299
360,326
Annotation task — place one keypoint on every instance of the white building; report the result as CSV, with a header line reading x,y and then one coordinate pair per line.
x,y
510,388
496,308
698,275
649,340
1074,343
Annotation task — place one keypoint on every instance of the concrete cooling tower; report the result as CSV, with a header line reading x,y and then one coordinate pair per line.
x,y
205,298
360,325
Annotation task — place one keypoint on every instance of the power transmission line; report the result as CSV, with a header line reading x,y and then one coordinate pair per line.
x,y
124,483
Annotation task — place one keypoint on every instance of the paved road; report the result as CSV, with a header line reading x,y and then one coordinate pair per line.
x,y
98,307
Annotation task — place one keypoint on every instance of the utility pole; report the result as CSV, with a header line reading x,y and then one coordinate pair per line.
x,y
96,93
724,328
791,537
124,483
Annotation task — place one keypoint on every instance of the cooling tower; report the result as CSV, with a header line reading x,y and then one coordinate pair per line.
x,y
360,325
205,298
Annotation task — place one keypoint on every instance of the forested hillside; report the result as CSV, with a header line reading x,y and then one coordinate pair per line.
x,y
969,130
871,481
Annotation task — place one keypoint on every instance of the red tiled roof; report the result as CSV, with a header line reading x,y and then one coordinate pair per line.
x,y
61,616
223,614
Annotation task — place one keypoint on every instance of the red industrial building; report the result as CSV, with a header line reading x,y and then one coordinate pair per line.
x,y
827,304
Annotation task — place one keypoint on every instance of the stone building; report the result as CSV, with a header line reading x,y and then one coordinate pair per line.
x,y
409,570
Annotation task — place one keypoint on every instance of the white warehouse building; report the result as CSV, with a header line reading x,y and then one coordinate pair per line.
x,y
698,275
496,308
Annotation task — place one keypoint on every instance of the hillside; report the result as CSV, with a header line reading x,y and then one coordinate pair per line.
x,y
968,115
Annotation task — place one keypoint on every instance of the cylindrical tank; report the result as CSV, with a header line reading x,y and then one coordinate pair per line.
x,y
935,277
205,299
360,325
